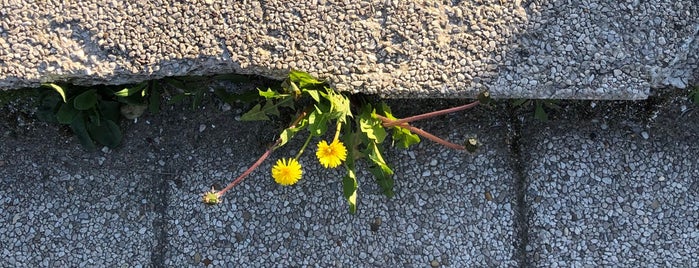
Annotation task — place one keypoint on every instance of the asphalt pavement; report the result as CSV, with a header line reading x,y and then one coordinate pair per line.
x,y
598,184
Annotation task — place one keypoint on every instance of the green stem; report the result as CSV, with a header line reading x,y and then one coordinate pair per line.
x,y
337,131
308,140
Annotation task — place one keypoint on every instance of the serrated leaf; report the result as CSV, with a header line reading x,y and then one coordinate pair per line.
x,y
58,89
539,113
340,105
67,113
349,190
132,90
254,114
86,100
259,112
372,128
107,133
269,93
303,79
385,181
404,138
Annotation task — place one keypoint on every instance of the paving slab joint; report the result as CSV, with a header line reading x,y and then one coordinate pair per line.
x,y
521,222
159,198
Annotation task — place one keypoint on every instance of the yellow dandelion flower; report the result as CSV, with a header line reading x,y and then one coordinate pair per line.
x,y
286,171
331,155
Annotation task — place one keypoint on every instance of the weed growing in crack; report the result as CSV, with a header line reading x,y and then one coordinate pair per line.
x,y
359,130
93,113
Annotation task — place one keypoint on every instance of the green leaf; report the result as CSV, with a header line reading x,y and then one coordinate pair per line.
x,y
175,83
404,138
58,89
313,93
270,94
107,133
231,98
372,128
519,102
48,106
349,190
375,155
66,113
176,99
132,90
85,100
539,112
380,170
317,122
303,79
80,131
259,112
198,97
340,105
154,98
289,133
385,181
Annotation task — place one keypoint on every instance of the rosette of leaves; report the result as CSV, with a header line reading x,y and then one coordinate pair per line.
x,y
93,113
362,132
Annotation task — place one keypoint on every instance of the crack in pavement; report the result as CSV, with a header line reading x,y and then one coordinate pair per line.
x,y
521,222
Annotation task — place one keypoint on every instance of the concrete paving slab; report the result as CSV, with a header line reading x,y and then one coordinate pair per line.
x,y
593,49
614,187
439,216
61,207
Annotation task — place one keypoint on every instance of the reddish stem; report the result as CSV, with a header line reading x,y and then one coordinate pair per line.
x,y
394,123
261,159
390,123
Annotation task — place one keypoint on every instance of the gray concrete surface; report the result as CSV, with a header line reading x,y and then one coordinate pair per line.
x,y
594,49
600,184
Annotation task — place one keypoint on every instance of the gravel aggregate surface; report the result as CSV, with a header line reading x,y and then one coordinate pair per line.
x,y
592,49
439,214
60,207
600,184
626,194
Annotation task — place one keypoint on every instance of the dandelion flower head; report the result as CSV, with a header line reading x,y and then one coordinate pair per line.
x,y
286,171
331,155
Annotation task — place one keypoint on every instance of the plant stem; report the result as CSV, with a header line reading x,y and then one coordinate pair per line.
x,y
308,140
391,123
250,169
261,159
430,114
337,131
